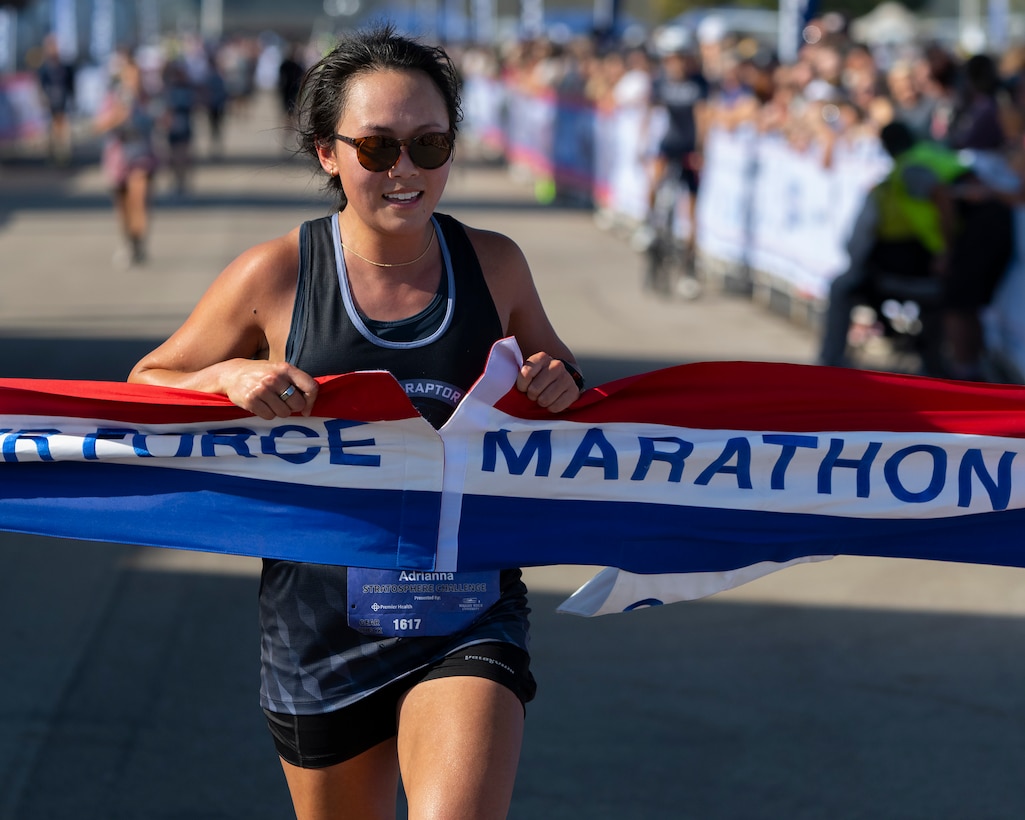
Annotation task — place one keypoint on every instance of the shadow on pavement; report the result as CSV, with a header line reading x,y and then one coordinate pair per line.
x,y
726,710
156,715
92,358
95,359
603,369
702,710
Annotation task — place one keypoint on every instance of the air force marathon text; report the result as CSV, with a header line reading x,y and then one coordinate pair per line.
x,y
862,465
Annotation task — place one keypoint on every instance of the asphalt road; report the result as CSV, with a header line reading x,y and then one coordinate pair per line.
x,y
856,688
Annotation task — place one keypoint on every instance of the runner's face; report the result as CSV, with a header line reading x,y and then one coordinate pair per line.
x,y
398,104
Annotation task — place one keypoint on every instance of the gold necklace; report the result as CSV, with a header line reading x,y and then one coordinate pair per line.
x,y
430,244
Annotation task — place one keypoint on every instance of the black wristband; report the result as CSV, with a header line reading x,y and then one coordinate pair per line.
x,y
578,377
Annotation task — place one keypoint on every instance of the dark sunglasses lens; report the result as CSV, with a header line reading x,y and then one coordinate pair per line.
x,y
431,150
378,153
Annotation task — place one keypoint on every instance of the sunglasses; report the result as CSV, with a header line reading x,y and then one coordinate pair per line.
x,y
428,151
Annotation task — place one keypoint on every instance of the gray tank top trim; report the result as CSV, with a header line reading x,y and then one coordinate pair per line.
x,y
357,319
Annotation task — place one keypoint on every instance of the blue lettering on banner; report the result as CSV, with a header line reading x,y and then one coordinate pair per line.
x,y
538,443
862,465
928,464
739,448
337,445
37,437
650,454
268,444
788,448
644,603
232,437
141,443
103,434
914,474
999,490
606,460
216,443
891,472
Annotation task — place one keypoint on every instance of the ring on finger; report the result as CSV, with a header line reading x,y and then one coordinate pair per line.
x,y
287,393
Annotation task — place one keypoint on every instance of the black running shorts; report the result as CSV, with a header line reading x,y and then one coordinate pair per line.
x,y
317,741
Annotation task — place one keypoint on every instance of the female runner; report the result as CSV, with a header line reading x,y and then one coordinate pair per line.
x,y
383,282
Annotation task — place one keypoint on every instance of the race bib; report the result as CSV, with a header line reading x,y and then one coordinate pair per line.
x,y
407,603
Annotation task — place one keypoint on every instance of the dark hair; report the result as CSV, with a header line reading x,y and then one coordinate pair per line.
x,y
943,66
325,86
897,138
981,74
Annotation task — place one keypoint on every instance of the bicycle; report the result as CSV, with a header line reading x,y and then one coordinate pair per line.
x,y
670,266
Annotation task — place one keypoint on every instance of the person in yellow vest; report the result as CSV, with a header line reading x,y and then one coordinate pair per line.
x,y
916,213
930,218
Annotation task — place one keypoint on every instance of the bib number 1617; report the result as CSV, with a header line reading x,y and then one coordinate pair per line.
x,y
406,624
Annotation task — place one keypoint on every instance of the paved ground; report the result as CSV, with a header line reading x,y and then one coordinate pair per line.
x,y
852,689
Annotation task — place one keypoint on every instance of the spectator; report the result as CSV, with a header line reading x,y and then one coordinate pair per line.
x,y
976,120
936,75
630,78
57,84
733,103
928,218
910,105
290,75
179,102
214,100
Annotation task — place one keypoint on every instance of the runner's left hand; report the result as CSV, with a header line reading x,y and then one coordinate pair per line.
x,y
546,381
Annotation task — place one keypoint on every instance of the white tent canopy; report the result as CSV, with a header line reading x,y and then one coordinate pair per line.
x,y
887,23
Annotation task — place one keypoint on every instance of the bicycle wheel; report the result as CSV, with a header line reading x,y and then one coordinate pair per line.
x,y
688,283
660,266
671,270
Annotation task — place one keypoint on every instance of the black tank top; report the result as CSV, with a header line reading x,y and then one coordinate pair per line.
x,y
311,661
328,335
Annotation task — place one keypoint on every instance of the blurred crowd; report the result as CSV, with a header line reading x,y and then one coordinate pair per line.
x,y
146,105
836,89
182,81
833,102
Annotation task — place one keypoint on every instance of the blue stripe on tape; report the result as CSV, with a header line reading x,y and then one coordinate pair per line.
x,y
217,513
656,538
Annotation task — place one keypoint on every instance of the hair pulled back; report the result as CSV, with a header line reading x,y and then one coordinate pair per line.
x,y
325,86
